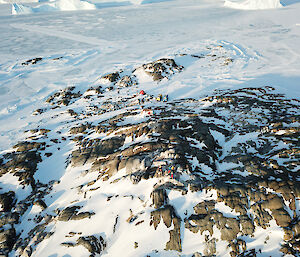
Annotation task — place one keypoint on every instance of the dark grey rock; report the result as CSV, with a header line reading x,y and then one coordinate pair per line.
x,y
7,201
8,218
82,215
7,240
68,213
112,77
92,244
161,68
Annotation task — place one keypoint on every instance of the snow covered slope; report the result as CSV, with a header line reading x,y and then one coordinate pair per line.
x,y
253,4
92,166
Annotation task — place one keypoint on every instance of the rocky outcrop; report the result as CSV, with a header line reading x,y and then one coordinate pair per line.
x,y
159,197
71,213
127,81
64,97
235,153
229,227
7,201
91,243
169,217
23,162
33,61
111,77
162,68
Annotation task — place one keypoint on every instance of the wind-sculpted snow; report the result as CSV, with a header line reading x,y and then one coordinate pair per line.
x,y
59,5
253,4
115,170
74,5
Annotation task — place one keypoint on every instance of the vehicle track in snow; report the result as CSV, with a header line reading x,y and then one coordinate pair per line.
x,y
70,36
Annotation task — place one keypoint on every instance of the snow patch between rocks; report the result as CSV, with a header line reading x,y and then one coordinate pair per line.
x,y
253,4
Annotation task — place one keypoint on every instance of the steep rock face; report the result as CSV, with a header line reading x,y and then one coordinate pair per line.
x,y
205,176
159,197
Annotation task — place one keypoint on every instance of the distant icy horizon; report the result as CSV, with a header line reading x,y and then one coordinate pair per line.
x,y
26,7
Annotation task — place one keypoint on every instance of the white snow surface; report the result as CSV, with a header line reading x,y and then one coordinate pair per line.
x,y
253,4
70,5
60,5
124,37
263,45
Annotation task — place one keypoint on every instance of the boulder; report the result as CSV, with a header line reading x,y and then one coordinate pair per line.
x,y
67,213
92,244
282,217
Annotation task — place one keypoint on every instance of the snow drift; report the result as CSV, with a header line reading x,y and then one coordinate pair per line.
x,y
20,9
60,5
73,5
253,4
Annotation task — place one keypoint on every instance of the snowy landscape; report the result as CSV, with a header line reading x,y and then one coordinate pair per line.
x,y
150,128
